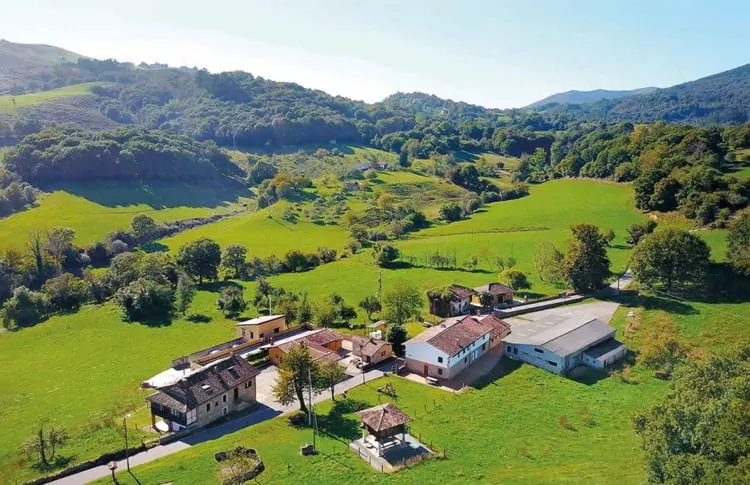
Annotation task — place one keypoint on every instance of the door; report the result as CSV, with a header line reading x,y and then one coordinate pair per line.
x,y
236,393
425,369
224,411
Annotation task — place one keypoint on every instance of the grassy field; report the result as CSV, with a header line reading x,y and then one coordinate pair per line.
x,y
95,209
11,104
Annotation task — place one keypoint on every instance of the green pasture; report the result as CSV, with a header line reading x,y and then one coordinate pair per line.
x,y
10,104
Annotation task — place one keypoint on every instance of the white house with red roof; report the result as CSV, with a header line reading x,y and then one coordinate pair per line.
x,y
446,349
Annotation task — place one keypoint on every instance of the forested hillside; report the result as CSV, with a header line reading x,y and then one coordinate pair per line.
x,y
722,98
582,97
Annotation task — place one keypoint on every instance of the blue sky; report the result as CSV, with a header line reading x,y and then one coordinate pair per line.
x,y
495,53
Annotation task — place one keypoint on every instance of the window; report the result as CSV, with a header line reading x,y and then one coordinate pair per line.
x,y
540,351
466,359
276,330
208,407
552,363
224,398
440,360
243,332
382,354
260,335
216,404
236,393
248,384
251,335
508,348
515,350
440,372
484,346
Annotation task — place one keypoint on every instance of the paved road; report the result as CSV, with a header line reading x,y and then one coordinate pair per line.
x,y
265,411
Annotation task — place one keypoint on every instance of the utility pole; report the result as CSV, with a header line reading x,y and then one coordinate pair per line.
x,y
127,451
311,417
380,287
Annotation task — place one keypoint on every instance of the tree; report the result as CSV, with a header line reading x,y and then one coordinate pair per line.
x,y
384,254
397,335
738,243
451,212
200,259
184,293
144,300
548,261
330,373
296,371
609,237
233,261
66,292
25,308
670,259
471,263
698,432
231,300
638,231
402,303
515,279
43,444
586,264
60,244
370,304
403,158
144,228
486,299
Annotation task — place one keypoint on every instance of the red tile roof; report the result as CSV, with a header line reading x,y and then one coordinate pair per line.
x,y
317,352
324,337
367,346
494,289
452,335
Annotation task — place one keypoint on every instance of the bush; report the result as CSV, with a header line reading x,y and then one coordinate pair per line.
x,y
451,212
231,301
66,292
144,300
385,254
25,308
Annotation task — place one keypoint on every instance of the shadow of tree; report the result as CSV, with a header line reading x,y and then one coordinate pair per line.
x,y
155,247
217,286
57,463
198,318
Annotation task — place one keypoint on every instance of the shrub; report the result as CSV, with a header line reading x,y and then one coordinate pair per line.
x,y
145,299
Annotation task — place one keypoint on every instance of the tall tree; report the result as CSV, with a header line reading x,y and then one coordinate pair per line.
x,y
670,259
184,293
738,243
515,279
233,261
43,444
144,228
397,335
231,301
331,373
296,373
586,263
548,261
402,303
698,433
370,304
200,259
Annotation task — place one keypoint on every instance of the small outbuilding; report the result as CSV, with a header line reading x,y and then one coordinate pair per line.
x,y
371,350
382,425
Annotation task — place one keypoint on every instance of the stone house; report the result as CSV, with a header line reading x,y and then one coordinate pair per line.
x,y
371,351
449,301
206,395
501,294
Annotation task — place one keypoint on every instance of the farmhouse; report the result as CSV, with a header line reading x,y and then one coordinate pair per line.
x,y
323,345
206,395
561,347
370,350
351,186
501,294
361,167
263,328
449,301
446,349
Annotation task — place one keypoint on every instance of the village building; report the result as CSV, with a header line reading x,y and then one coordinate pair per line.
x,y
382,425
501,294
449,301
324,345
372,351
377,329
446,349
205,395
352,186
262,328
560,347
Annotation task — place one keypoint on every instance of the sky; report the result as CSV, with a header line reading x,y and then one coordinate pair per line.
x,y
499,54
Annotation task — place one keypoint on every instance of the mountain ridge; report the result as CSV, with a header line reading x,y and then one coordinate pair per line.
x,y
591,96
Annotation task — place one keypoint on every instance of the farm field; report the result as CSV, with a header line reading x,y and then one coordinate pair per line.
x,y
95,209
10,104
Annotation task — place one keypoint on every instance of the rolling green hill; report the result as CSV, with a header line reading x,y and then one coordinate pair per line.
x,y
11,104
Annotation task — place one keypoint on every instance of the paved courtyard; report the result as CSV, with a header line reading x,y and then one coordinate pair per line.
x,y
394,458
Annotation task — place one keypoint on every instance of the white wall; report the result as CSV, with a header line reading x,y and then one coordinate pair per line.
x,y
531,355
425,352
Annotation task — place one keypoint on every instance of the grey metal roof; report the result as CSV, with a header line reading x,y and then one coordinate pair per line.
x,y
604,350
580,338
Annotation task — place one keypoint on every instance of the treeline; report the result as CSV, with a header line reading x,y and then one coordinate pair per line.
x,y
69,154
54,275
672,167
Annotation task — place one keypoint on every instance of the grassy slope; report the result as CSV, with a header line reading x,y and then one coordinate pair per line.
x,y
95,209
11,104
265,233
